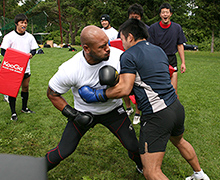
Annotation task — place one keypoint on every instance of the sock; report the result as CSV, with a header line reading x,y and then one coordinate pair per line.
x,y
12,103
199,175
24,97
137,114
129,108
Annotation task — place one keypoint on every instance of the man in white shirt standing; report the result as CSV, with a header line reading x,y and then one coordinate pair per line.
x,y
111,32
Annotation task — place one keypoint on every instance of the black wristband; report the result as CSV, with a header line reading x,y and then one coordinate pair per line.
x,y
69,112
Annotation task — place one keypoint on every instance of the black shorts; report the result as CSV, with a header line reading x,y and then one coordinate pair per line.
x,y
157,128
173,61
27,75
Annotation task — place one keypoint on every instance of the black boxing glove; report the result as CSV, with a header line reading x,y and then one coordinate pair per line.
x,y
84,119
108,75
70,112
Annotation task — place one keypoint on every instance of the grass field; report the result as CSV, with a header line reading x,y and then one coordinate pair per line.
x,y
99,155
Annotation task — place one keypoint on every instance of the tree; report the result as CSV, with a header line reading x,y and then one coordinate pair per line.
x,y
72,15
206,17
198,18
9,8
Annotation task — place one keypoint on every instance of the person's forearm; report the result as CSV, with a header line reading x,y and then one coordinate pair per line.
x,y
33,52
182,57
3,52
116,92
181,53
123,88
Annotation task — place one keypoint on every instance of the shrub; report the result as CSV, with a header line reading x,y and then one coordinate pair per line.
x,y
55,36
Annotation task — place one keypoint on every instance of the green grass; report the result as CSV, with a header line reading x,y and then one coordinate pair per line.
x,y
100,155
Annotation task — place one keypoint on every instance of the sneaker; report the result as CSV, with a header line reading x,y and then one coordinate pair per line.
x,y
205,177
14,117
6,98
27,111
129,111
139,170
136,119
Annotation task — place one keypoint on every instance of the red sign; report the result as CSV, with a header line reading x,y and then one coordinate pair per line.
x,y
12,71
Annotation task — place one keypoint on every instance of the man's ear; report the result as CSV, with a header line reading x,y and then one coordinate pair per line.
x,y
86,48
130,37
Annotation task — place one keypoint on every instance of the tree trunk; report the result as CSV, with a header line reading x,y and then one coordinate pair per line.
x,y
67,38
72,38
73,42
213,40
71,31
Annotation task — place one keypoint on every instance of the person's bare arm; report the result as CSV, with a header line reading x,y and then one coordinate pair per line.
x,y
123,88
57,100
180,48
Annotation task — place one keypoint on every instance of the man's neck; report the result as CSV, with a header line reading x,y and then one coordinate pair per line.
x,y
22,33
165,26
89,59
108,27
139,40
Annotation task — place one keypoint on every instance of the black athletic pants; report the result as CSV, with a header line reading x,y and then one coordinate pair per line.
x,y
116,121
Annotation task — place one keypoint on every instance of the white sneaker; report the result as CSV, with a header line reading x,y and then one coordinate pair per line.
x,y
130,111
6,98
136,119
205,177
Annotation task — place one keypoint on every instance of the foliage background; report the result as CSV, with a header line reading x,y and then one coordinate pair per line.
x,y
198,18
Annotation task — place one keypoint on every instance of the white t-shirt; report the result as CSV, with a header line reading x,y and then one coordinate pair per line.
x,y
76,72
24,43
112,33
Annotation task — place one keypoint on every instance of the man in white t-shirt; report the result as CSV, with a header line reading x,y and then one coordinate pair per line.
x,y
83,69
111,32
23,41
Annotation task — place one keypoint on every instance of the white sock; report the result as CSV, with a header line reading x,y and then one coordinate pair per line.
x,y
199,175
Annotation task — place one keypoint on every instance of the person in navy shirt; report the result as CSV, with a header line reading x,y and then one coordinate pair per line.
x,y
170,37
145,70
135,11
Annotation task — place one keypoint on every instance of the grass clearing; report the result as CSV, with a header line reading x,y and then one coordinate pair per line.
x,y
100,155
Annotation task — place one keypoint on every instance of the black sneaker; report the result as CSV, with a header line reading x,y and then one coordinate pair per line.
x,y
27,110
14,117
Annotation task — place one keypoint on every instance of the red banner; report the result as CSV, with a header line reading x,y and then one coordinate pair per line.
x,y
12,71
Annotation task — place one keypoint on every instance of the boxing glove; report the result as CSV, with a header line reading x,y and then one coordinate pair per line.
x,y
108,75
82,119
91,95
69,112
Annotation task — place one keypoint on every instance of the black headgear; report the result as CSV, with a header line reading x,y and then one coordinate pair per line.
x,y
105,17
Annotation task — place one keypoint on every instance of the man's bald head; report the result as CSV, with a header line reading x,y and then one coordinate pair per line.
x,y
91,35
